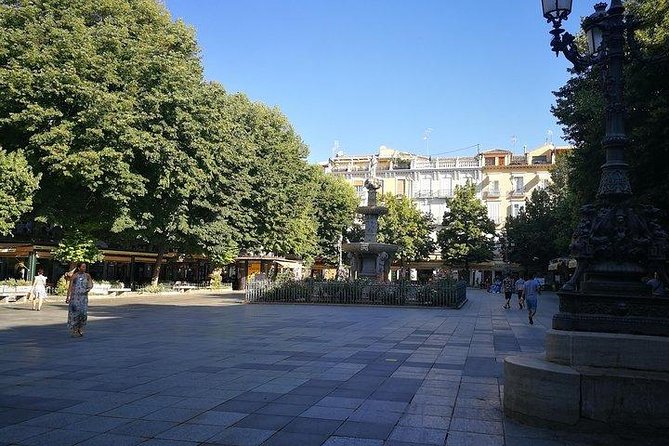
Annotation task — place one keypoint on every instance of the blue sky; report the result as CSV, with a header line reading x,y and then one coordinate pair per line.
x,y
372,72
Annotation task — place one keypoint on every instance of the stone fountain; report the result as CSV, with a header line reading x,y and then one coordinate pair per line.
x,y
370,258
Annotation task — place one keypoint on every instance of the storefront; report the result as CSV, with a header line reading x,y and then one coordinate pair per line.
x,y
248,268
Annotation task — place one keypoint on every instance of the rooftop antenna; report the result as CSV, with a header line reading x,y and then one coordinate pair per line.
x,y
549,137
335,148
426,138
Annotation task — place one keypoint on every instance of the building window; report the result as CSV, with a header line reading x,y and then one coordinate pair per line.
x,y
493,212
518,185
516,208
490,161
401,187
494,188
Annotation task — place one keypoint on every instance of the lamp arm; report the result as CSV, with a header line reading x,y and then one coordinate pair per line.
x,y
565,43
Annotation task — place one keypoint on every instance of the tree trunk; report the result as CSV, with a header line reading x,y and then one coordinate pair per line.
x,y
156,267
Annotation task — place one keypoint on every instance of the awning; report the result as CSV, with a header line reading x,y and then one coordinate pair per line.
x,y
289,264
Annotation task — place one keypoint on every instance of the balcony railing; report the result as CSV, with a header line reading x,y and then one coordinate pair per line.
x,y
436,193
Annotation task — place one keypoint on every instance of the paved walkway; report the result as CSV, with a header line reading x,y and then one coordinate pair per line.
x,y
189,370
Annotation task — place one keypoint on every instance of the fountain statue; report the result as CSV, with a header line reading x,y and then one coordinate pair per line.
x,y
370,258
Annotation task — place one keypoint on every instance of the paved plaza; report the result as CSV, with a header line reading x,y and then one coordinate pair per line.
x,y
205,369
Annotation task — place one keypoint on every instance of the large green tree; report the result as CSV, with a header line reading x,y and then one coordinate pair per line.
x,y
405,225
108,102
529,236
335,202
278,197
580,109
17,186
467,234
68,88
542,230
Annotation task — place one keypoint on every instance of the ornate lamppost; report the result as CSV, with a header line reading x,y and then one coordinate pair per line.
x,y
600,364
617,241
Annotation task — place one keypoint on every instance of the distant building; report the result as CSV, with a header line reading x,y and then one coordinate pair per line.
x,y
503,181
509,179
427,181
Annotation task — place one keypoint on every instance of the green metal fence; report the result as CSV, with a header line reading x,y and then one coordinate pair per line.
x,y
441,293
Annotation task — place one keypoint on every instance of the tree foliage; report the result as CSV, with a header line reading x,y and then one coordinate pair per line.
x,y
542,230
77,247
529,235
467,234
107,100
405,225
17,186
335,202
580,109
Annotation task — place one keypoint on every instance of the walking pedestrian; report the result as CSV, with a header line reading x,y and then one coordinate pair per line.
x,y
77,298
656,286
531,290
520,287
507,284
38,291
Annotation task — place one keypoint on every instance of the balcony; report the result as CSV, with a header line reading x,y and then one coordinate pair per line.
x,y
437,193
492,193
518,193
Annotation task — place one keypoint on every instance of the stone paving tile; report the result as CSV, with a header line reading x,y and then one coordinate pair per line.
x,y
164,442
109,439
420,435
264,421
174,414
473,439
283,409
351,441
217,418
477,426
143,428
327,413
358,375
240,406
56,420
284,438
312,425
364,430
334,401
15,416
99,424
375,416
431,421
241,436
58,437
191,432
16,433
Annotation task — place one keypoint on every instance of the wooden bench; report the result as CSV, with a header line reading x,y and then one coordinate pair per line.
x,y
118,291
183,288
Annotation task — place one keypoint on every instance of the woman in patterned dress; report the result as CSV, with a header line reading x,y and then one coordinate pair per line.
x,y
77,298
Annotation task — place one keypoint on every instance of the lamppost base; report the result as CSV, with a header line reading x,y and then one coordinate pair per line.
x,y
610,313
